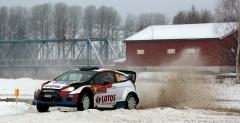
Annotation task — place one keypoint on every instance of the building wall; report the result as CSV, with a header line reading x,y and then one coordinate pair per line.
x,y
212,52
228,56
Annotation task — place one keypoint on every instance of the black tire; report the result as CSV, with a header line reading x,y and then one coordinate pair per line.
x,y
42,108
131,102
84,102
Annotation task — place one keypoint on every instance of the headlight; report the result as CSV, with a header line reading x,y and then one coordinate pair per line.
x,y
68,89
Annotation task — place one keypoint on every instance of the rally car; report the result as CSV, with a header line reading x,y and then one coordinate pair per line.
x,y
89,87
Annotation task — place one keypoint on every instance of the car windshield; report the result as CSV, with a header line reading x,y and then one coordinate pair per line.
x,y
79,76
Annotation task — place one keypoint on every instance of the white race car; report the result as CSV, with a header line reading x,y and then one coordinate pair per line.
x,y
89,87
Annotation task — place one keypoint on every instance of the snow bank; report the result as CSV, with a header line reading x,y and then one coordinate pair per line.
x,y
27,87
9,108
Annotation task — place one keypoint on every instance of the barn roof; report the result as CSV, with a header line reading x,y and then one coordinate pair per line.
x,y
184,31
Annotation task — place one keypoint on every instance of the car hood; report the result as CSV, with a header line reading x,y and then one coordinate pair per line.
x,y
57,84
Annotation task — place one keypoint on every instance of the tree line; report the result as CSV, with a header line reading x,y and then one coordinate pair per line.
x,y
134,24
193,16
58,21
61,21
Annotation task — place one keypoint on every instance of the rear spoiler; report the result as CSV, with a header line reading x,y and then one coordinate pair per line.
x,y
132,75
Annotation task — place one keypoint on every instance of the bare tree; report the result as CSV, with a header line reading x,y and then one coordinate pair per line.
x,y
180,18
115,25
206,16
145,20
112,27
34,18
101,19
89,20
129,26
228,11
107,21
17,23
193,16
75,15
3,22
60,20
40,25
112,20
60,26
46,12
41,21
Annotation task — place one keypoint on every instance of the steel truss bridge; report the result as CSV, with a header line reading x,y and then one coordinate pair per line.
x,y
56,53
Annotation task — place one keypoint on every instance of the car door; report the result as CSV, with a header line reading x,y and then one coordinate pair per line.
x,y
120,85
104,95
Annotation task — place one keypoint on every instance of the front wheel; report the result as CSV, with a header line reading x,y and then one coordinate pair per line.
x,y
131,102
84,102
42,108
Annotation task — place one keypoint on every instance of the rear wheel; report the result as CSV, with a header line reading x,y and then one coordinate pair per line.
x,y
131,102
84,102
42,108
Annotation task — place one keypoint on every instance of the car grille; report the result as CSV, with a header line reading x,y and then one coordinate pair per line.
x,y
52,95
50,91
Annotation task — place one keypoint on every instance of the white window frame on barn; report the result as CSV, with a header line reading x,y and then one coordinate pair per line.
x,y
171,51
192,51
140,52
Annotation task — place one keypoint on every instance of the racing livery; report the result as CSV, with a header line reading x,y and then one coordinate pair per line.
x,y
89,87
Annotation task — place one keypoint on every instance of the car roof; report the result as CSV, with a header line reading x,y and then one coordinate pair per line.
x,y
103,70
98,69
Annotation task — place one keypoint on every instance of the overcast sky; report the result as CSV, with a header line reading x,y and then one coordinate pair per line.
x,y
168,7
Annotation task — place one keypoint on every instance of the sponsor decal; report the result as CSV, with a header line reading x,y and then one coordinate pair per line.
x,y
52,86
99,89
106,98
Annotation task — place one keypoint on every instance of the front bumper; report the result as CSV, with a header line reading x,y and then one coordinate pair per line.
x,y
53,97
62,103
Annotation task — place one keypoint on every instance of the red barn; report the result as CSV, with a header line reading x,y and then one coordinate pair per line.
x,y
210,44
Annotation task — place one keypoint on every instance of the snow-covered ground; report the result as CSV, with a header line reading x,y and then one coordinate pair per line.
x,y
154,115
154,89
10,108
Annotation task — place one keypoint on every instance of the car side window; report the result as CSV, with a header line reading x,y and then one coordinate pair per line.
x,y
106,77
120,77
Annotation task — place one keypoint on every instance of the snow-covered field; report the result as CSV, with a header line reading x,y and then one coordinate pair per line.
x,y
28,114
155,90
